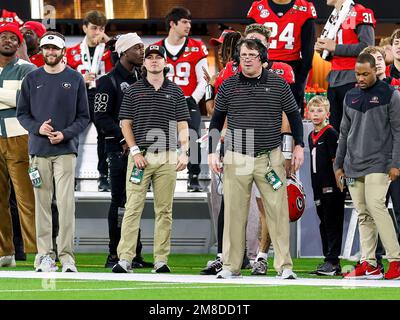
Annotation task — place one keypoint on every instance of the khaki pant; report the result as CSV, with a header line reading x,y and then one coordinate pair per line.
x,y
369,195
239,173
161,171
62,170
14,163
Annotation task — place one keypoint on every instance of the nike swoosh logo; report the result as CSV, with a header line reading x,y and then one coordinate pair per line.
x,y
355,101
186,55
320,142
39,86
369,273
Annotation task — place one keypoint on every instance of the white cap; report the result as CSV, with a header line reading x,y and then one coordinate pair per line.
x,y
54,40
127,41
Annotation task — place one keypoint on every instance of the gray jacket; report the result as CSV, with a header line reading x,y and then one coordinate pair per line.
x,y
369,140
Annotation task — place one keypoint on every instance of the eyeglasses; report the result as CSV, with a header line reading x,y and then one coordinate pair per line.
x,y
249,57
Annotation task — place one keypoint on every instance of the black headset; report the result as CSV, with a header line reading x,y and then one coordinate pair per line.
x,y
262,50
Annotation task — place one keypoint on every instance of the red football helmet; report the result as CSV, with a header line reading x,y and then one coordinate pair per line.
x,y
296,198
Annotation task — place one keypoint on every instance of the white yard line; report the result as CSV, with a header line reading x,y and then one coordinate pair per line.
x,y
176,278
122,289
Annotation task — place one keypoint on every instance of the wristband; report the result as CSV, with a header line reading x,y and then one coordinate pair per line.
x,y
210,95
134,150
287,145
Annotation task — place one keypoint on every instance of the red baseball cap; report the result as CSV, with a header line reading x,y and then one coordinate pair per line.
x,y
36,27
13,28
216,42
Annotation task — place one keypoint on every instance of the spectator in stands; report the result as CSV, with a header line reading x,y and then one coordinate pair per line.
x,y
386,45
14,159
394,69
110,91
370,110
248,159
328,199
343,52
92,60
186,58
53,146
152,111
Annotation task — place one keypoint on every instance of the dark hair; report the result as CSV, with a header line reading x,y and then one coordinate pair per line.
x,y
395,35
252,44
95,17
176,14
54,33
228,46
367,58
258,28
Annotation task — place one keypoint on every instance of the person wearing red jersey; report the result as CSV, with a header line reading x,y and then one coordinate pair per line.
x,y
292,36
32,32
10,17
353,35
186,58
92,60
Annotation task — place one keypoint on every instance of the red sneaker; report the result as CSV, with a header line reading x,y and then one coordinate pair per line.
x,y
365,271
394,271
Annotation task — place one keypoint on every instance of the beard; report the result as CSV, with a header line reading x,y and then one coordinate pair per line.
x,y
54,62
8,53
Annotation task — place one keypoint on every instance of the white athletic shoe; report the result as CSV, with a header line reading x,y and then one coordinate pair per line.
x,y
227,274
7,261
47,264
122,266
287,274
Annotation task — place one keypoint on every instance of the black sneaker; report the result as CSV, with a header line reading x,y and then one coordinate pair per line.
x,y
139,263
104,185
161,267
246,263
111,261
122,266
193,184
213,267
378,263
329,269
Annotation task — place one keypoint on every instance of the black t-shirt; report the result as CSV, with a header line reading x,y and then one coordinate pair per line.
x,y
323,145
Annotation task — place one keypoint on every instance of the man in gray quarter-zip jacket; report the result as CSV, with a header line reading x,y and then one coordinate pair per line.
x,y
368,155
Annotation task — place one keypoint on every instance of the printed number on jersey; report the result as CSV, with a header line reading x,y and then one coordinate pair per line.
x,y
180,74
286,35
100,102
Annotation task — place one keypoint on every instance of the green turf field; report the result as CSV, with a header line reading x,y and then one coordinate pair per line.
x,y
59,289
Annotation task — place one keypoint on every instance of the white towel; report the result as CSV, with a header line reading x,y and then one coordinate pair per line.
x,y
334,22
92,66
